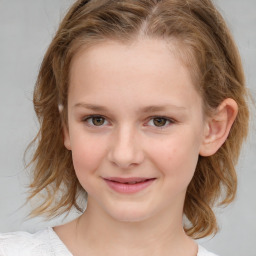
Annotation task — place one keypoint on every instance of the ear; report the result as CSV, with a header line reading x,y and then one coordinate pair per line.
x,y
218,127
66,137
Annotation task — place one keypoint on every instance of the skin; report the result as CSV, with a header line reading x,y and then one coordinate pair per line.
x,y
128,141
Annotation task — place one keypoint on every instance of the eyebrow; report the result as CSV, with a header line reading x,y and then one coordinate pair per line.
x,y
147,109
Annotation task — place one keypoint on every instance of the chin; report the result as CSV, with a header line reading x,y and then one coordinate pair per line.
x,y
126,214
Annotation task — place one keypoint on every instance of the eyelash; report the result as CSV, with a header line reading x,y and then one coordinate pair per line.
x,y
166,119
92,116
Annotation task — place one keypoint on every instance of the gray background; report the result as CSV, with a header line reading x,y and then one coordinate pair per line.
x,y
26,29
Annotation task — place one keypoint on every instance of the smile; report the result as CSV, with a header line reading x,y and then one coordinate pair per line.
x,y
128,185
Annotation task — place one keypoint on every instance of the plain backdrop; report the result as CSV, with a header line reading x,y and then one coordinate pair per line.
x,y
26,29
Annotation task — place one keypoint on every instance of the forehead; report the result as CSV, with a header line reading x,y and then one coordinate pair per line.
x,y
102,48
150,53
150,68
147,55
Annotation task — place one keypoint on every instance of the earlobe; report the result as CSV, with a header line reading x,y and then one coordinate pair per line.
x,y
66,137
218,127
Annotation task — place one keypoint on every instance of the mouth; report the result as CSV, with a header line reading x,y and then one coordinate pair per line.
x,y
128,185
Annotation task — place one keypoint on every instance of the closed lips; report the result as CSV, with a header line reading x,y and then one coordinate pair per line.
x,y
132,180
128,185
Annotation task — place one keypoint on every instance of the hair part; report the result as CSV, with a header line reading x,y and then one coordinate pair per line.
x,y
202,41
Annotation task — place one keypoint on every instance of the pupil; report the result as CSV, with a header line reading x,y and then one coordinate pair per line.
x,y
159,121
98,121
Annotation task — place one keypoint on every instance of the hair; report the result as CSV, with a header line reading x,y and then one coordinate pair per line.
x,y
205,45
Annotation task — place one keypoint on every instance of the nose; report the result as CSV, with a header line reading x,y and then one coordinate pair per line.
x,y
125,150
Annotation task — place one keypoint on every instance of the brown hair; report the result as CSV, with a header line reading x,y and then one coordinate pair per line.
x,y
206,46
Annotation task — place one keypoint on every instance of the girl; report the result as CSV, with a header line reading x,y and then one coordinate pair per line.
x,y
142,110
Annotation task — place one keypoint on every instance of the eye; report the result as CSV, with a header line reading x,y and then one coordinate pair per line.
x,y
160,122
95,120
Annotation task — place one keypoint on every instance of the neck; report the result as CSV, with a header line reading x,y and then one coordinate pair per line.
x,y
97,232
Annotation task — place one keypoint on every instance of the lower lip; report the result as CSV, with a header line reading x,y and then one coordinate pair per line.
x,y
129,188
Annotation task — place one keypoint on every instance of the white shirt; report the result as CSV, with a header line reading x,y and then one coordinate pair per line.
x,y
44,243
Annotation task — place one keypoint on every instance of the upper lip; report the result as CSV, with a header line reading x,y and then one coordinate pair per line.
x,y
127,180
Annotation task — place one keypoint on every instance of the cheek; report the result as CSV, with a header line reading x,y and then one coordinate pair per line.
x,y
87,155
176,157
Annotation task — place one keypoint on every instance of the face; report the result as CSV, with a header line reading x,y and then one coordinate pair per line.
x,y
135,128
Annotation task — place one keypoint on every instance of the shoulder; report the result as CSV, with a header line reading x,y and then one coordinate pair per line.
x,y
19,243
203,252
44,242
